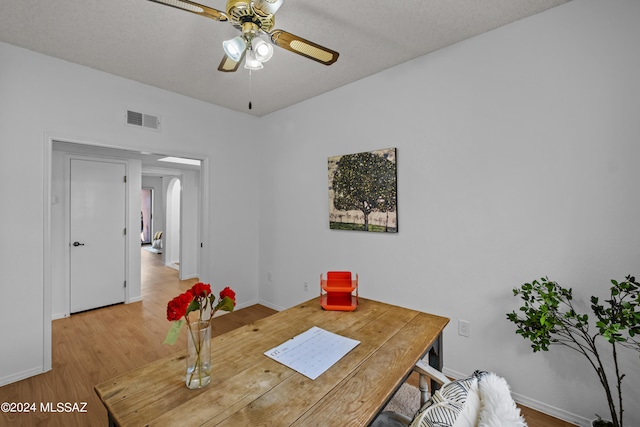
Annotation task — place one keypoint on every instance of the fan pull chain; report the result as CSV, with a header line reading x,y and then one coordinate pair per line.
x,y
250,90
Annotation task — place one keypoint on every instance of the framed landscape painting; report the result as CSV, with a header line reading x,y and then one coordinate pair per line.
x,y
363,191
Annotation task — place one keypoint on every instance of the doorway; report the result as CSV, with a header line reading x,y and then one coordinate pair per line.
x,y
174,196
146,215
57,278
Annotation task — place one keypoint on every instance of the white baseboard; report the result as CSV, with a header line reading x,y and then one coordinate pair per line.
x,y
271,306
57,316
18,376
551,410
246,304
534,404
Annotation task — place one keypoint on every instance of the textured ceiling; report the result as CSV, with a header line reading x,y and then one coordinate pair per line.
x,y
180,51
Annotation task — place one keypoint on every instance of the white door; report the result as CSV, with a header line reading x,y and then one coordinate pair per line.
x,y
97,234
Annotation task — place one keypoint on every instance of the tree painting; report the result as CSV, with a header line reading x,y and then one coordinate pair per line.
x,y
363,191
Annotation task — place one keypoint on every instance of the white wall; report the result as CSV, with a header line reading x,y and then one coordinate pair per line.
x,y
517,158
43,97
515,153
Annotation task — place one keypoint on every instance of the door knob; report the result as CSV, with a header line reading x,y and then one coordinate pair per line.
x,y
78,244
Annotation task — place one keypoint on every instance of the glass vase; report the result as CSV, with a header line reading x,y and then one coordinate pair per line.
x,y
198,355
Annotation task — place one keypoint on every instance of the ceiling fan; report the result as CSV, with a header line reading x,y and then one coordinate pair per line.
x,y
254,18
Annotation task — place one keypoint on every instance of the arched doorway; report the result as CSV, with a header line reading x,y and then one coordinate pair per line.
x,y
172,238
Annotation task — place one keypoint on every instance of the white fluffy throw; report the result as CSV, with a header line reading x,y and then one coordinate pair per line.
x,y
497,408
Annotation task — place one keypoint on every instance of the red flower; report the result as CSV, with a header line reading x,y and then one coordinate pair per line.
x,y
177,307
197,298
227,292
201,290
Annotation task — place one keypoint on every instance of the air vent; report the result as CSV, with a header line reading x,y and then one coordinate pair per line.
x,y
143,120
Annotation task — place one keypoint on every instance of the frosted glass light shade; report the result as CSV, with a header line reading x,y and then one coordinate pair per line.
x,y
234,47
250,61
267,6
263,50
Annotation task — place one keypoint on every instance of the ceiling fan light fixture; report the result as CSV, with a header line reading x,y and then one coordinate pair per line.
x,y
263,51
234,48
267,6
250,61
255,20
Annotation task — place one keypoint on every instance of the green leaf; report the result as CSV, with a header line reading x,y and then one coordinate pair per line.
x,y
174,331
195,305
225,304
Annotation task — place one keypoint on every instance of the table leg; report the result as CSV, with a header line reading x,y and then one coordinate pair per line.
x,y
112,422
436,359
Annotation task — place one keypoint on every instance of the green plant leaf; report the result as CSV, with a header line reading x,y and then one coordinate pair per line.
x,y
195,305
225,304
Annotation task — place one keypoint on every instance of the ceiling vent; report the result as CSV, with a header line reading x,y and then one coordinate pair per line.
x,y
143,120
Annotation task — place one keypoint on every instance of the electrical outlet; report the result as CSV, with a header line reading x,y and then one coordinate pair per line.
x,y
464,328
306,286
268,276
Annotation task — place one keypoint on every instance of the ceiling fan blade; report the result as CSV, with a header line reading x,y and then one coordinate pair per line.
x,y
304,47
228,65
194,7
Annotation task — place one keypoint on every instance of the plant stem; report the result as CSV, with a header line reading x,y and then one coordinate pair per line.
x,y
198,345
619,378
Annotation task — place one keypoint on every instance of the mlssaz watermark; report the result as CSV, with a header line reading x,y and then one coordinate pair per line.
x,y
49,407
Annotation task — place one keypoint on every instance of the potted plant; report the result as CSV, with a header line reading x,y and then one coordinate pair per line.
x,y
548,317
599,422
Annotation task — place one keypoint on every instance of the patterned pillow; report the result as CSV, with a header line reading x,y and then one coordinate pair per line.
x,y
446,404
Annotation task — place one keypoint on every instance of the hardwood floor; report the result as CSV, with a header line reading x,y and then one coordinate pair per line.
x,y
538,419
91,347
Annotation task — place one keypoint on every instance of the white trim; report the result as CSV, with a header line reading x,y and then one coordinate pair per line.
x,y
169,232
46,257
245,305
18,376
153,171
269,305
66,173
203,266
551,410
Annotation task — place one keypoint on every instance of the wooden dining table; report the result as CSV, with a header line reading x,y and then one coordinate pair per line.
x,y
250,389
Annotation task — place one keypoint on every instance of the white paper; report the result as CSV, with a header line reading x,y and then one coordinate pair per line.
x,y
312,352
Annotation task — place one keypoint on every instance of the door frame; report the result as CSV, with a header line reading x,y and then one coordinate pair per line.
x,y
173,237
152,201
68,157
47,171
